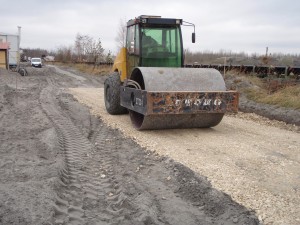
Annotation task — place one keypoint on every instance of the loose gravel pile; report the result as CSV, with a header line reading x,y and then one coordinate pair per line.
x,y
255,161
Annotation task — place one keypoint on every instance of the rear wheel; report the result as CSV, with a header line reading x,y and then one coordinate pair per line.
x,y
112,95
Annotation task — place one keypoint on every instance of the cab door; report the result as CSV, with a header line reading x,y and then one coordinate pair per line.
x,y
133,48
3,62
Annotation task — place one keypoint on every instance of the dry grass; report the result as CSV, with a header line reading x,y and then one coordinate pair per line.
x,y
95,70
256,81
288,97
85,68
281,92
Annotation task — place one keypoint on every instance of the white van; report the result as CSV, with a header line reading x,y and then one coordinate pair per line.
x,y
36,62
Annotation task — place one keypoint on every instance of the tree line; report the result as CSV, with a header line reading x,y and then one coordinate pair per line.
x,y
241,58
84,49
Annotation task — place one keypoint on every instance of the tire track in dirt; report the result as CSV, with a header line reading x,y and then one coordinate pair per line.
x,y
140,205
123,207
68,208
88,189
78,188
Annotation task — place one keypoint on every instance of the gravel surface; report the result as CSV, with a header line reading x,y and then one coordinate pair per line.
x,y
254,160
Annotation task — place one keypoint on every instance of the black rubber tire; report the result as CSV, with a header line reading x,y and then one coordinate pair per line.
x,y
23,72
112,95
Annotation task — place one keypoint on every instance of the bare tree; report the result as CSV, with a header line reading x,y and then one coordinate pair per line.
x,y
78,47
109,57
64,54
94,50
34,52
82,43
88,49
121,35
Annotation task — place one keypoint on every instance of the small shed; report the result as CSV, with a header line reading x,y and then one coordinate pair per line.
x,y
3,55
13,50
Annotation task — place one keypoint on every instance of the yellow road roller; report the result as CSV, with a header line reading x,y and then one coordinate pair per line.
x,y
150,82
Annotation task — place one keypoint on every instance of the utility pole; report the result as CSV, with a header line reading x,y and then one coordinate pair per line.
x,y
224,66
19,41
267,60
18,61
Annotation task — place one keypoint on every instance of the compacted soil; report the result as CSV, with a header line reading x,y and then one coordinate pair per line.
x,y
60,163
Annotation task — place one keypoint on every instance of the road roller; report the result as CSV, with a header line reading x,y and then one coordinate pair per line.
x,y
149,80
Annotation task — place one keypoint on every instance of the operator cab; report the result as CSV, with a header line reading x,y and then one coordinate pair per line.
x,y
153,41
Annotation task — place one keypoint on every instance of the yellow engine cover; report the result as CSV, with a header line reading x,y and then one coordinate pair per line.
x,y
120,64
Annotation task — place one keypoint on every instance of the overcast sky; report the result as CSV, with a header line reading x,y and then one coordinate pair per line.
x,y
231,25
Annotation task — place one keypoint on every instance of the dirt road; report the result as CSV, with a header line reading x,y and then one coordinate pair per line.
x,y
60,164
64,161
257,164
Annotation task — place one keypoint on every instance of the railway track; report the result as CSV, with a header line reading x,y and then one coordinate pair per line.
x,y
261,71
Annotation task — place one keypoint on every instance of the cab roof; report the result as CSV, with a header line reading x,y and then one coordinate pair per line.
x,y
146,19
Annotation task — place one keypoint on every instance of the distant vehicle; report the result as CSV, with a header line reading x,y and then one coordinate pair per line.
x,y
49,58
36,62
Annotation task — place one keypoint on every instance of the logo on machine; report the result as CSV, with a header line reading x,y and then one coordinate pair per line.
x,y
188,102
198,102
139,101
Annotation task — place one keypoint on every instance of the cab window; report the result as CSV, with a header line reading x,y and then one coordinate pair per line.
x,y
133,46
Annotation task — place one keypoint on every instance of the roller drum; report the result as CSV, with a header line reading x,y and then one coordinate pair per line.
x,y
177,79
175,121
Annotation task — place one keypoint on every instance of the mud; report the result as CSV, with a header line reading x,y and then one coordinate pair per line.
x,y
61,165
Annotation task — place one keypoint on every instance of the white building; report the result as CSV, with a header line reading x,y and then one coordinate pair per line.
x,y
13,41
